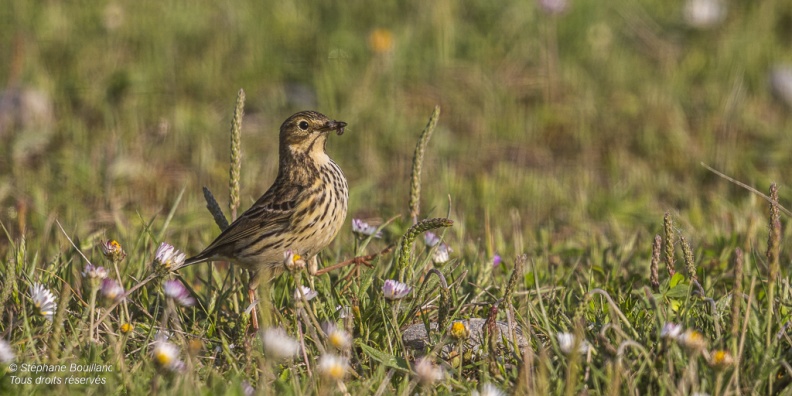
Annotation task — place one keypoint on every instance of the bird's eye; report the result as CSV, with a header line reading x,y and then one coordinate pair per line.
x,y
303,125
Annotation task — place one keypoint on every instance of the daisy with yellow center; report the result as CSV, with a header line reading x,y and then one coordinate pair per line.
x,y
721,359
166,356
332,367
112,251
43,300
692,340
293,261
337,337
459,331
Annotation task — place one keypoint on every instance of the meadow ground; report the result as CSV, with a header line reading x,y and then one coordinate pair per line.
x,y
568,149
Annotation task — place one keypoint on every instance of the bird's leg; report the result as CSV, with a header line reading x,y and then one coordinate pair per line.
x,y
253,313
313,267
255,278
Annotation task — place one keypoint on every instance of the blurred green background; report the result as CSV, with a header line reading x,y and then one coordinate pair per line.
x,y
589,121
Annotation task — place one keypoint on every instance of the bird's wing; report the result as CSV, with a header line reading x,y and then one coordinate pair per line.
x,y
271,213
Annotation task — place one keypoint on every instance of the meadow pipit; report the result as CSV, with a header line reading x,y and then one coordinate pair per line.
x,y
301,212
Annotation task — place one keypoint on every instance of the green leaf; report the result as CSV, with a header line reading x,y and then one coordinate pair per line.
x,y
678,277
678,291
529,279
388,360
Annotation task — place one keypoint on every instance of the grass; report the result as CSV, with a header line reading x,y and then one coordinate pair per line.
x,y
566,138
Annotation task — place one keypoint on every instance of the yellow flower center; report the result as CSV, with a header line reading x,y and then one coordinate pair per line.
x,y
337,340
458,330
381,40
336,372
162,357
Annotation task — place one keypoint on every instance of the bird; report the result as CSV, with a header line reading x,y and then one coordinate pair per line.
x,y
299,215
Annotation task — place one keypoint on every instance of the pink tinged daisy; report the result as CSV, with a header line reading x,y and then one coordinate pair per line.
x,y
395,290
93,272
553,7
360,227
431,239
175,289
168,257
43,300
670,330
112,250
279,345
112,290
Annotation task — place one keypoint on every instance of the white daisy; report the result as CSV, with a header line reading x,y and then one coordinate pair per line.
x,y
278,344
43,300
168,257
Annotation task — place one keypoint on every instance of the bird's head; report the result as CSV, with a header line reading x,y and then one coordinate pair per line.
x,y
305,133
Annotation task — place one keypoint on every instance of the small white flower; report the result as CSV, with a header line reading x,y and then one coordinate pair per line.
x,y
43,300
112,290
692,340
278,344
306,292
293,261
247,389
567,343
441,254
670,330
166,356
92,272
337,337
703,14
361,227
781,83
431,239
343,312
168,257
332,367
553,6
6,353
488,390
427,372
395,290
176,290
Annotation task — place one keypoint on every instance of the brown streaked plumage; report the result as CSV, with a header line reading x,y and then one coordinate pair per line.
x,y
302,211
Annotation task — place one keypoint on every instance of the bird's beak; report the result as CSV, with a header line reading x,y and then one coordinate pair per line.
x,y
337,126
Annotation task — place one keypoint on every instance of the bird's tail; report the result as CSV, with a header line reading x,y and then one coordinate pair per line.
x,y
200,258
